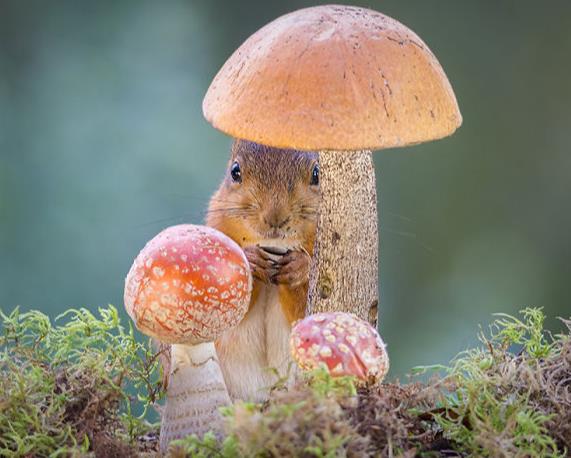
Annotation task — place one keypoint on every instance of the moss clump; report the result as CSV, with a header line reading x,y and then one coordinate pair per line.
x,y
512,397
306,422
64,389
509,398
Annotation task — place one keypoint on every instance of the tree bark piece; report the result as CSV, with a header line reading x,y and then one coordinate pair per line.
x,y
195,392
344,271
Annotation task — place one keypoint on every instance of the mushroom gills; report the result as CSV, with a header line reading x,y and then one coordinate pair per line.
x,y
195,393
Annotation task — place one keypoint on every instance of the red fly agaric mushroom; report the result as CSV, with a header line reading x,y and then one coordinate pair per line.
x,y
343,81
187,286
343,343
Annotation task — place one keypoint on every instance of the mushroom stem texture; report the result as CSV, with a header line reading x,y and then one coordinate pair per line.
x,y
344,271
195,392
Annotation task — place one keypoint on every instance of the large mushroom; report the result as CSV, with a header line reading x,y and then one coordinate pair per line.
x,y
187,286
343,81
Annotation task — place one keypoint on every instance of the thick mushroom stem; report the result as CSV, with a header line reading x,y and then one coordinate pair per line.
x,y
344,271
195,392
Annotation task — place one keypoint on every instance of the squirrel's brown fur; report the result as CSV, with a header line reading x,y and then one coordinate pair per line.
x,y
275,204
275,183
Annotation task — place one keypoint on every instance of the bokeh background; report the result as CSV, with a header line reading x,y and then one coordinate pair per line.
x,y
103,144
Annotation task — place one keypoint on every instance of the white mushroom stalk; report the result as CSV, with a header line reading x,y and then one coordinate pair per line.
x,y
343,344
195,393
187,286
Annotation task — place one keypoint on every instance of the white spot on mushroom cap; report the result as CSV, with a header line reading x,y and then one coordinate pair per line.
x,y
313,350
338,369
158,271
352,339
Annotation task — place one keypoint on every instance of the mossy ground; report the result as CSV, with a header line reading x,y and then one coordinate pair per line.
x,y
64,391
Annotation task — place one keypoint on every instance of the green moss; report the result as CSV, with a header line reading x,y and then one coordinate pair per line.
x,y
309,421
64,390
510,403
511,397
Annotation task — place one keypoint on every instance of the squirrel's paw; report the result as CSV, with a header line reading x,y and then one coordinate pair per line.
x,y
262,264
292,269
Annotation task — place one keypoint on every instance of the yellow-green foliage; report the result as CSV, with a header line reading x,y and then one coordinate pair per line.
x,y
509,398
64,391
512,397
64,388
308,421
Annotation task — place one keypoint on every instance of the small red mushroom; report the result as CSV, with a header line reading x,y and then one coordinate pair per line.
x,y
343,343
187,286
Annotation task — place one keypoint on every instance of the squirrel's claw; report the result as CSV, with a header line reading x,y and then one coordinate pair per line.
x,y
261,263
292,269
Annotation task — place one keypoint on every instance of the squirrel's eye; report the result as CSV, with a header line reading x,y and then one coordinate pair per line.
x,y
315,175
235,173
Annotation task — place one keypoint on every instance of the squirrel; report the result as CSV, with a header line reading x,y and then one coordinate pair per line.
x,y
267,203
269,197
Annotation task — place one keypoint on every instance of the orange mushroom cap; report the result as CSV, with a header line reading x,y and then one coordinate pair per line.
x,y
333,77
345,344
188,285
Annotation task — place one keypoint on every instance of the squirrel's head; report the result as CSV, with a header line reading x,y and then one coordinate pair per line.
x,y
268,194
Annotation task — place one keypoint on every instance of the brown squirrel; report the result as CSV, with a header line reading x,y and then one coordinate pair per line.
x,y
267,203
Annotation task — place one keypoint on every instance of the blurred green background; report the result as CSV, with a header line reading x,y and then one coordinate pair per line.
x,y
103,144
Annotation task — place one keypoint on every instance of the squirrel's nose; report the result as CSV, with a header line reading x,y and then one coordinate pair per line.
x,y
275,219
